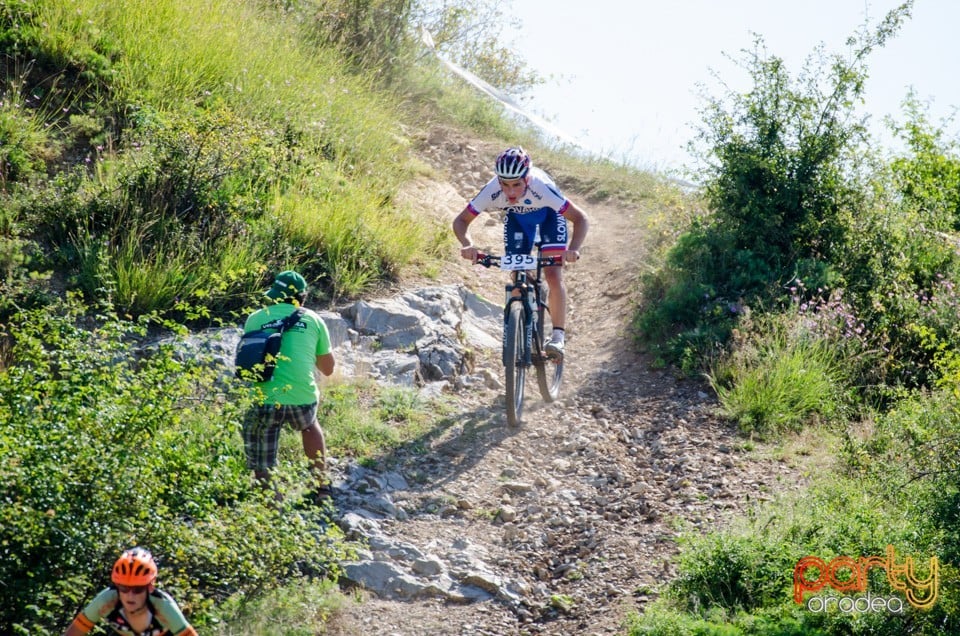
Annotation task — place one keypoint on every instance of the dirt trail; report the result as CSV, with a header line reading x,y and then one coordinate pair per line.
x,y
626,456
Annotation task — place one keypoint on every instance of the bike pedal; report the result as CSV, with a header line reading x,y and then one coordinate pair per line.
x,y
554,351
556,356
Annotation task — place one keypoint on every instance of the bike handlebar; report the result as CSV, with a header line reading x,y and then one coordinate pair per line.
x,y
489,260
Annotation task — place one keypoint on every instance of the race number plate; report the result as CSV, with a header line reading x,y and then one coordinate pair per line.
x,y
510,262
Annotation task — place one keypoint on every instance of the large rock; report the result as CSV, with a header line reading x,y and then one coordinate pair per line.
x,y
418,338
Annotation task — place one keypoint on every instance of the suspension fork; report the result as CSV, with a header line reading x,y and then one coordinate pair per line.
x,y
521,284
528,318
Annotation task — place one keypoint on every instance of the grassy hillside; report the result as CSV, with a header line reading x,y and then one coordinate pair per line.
x,y
175,151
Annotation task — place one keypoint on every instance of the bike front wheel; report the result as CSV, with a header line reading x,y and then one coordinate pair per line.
x,y
513,365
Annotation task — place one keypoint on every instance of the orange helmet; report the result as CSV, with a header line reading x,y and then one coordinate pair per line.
x,y
134,567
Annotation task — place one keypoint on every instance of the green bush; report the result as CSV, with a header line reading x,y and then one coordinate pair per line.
x,y
105,445
659,621
688,310
778,179
776,158
731,571
25,146
172,219
929,176
914,449
23,274
901,262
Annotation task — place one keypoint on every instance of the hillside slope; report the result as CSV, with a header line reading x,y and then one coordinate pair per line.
x,y
580,507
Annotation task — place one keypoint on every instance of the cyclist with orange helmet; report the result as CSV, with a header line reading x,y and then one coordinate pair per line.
x,y
132,605
530,199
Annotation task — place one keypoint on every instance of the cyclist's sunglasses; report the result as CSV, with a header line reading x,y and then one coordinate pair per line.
x,y
137,589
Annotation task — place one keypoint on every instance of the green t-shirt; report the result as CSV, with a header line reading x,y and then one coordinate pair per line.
x,y
293,382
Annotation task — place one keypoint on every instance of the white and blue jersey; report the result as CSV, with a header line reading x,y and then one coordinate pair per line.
x,y
542,204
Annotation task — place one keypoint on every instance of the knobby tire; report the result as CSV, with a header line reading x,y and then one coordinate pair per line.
x,y
513,366
549,370
549,376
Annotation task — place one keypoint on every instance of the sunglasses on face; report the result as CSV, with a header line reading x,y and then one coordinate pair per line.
x,y
138,589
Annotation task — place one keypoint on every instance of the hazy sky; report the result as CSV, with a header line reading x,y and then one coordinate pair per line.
x,y
625,72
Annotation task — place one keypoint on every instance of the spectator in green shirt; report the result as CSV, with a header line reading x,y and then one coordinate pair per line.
x,y
292,395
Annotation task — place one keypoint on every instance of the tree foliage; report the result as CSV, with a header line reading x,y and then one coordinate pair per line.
x,y
781,158
782,172
470,32
928,178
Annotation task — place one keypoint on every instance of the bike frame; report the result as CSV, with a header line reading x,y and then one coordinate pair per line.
x,y
523,327
533,304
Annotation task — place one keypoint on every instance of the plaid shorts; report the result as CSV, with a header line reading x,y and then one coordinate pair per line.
x,y
261,430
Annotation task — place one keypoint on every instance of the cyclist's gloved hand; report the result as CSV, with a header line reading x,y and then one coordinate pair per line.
x,y
469,252
571,256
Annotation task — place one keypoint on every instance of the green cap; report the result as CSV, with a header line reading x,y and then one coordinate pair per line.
x,y
287,284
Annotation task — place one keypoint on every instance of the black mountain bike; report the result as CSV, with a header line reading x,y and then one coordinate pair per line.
x,y
524,329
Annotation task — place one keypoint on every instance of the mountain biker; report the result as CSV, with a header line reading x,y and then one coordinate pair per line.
x,y
292,395
530,198
132,605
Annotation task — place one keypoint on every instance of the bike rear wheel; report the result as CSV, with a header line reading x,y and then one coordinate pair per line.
x,y
514,368
549,369
549,375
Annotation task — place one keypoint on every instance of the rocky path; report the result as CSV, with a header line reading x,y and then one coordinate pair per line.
x,y
569,523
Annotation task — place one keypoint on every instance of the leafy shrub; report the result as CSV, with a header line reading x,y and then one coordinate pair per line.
x,y
107,445
399,404
929,176
730,571
778,181
688,308
170,219
659,621
901,262
776,157
905,300
196,174
23,279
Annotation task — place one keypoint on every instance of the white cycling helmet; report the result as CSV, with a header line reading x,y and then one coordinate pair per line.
x,y
513,163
